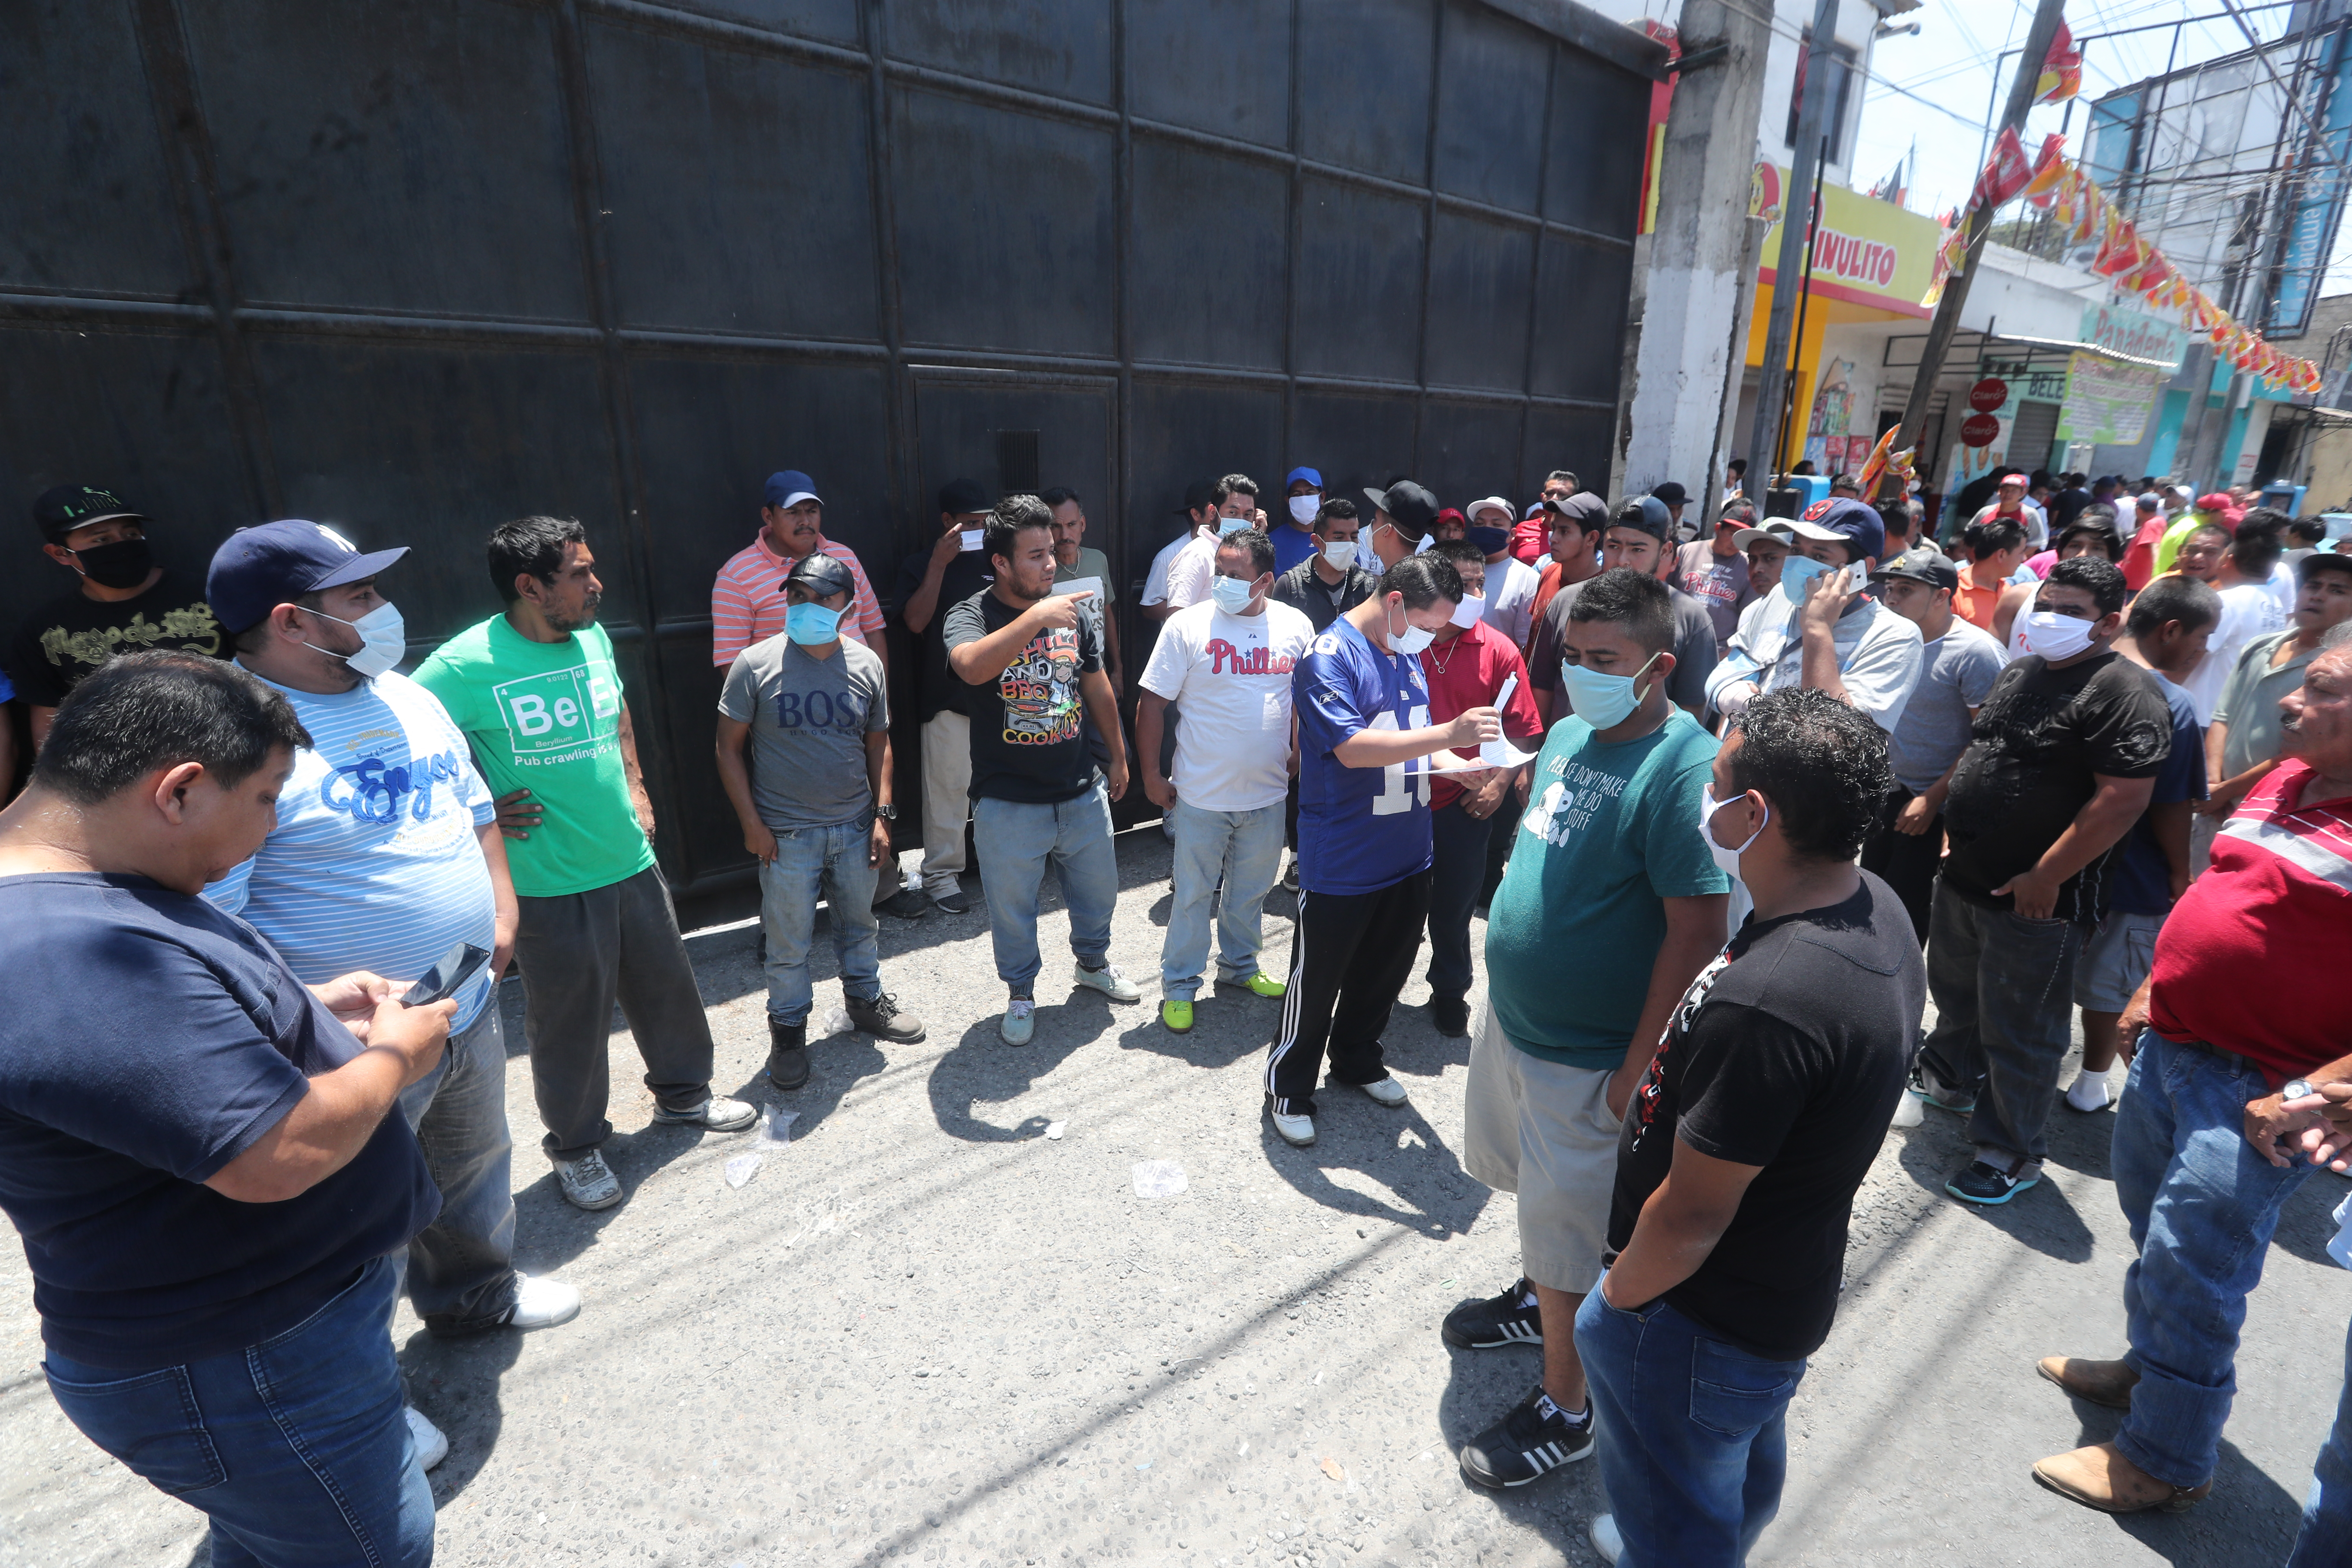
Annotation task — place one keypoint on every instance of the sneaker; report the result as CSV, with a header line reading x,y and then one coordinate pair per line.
x,y
1927,1085
1290,874
1388,1092
1509,1319
1983,1183
880,1018
952,902
1266,984
1298,1132
788,1062
907,904
588,1183
1451,1015
2088,1092
432,1443
1177,1016
1020,1021
1536,1439
1110,981
541,1304
716,1114
1606,1540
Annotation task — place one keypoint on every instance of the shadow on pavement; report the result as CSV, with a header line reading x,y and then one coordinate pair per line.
x,y
2041,1217
1481,1388
1397,1148
982,1069
456,1384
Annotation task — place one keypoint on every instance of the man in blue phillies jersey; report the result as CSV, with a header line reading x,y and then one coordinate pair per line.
x,y
386,853
1363,828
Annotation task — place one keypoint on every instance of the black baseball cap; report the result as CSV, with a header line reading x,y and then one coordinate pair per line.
x,y
821,575
68,507
1412,505
1924,565
1198,494
958,497
1584,509
1647,513
1671,493
260,568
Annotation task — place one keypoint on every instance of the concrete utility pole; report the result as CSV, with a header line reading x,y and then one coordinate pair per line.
x,y
2038,37
1702,258
1789,268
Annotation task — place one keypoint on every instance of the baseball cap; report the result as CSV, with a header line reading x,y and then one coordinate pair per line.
x,y
1584,509
2017,480
2318,559
821,575
1497,502
1412,505
1671,493
958,497
2215,501
1198,494
1647,513
1842,517
790,488
1924,565
260,568
1309,474
1450,514
68,507
2151,501
1776,532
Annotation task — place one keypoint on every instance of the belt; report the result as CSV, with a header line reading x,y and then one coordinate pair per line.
x,y
2243,1064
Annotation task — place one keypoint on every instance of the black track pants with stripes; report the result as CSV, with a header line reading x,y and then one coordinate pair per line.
x,y
1349,956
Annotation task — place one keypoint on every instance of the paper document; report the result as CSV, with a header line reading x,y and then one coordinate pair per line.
x,y
1506,756
1498,754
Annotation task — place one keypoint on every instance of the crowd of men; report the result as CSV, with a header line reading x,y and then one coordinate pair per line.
x,y
1739,795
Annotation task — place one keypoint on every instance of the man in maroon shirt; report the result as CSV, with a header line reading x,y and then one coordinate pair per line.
x,y
1467,667
2207,1148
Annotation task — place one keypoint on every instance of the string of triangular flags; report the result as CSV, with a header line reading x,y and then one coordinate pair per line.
x,y
2080,210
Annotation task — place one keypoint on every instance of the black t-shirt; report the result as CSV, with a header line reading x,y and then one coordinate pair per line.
x,y
2033,748
1322,603
75,634
1787,1052
1028,735
149,1040
970,572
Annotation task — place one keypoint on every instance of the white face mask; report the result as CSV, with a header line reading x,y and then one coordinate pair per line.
x,y
2055,636
1410,642
1466,611
385,638
1725,860
1340,554
1302,508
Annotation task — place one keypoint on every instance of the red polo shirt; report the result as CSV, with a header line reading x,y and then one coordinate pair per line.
x,y
1467,673
2252,958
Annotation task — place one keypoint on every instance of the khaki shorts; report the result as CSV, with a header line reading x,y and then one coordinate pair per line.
x,y
1544,1132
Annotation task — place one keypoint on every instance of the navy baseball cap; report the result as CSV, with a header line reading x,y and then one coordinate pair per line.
x,y
958,497
1309,474
790,488
1847,521
821,575
68,507
1647,513
276,563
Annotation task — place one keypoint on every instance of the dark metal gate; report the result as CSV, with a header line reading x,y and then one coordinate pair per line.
x,y
414,267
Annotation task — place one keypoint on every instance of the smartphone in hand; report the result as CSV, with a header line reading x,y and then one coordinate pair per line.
x,y
448,976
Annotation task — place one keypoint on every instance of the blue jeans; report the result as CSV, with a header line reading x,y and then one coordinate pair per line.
x,y
1457,871
2201,1205
807,858
295,1447
1244,849
1016,838
1691,1433
2325,1538
459,1270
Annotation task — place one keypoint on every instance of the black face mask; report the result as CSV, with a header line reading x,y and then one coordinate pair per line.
x,y
122,565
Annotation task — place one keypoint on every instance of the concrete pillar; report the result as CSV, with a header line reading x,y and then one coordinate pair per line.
x,y
1702,280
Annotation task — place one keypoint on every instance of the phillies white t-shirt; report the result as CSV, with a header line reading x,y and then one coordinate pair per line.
x,y
1231,674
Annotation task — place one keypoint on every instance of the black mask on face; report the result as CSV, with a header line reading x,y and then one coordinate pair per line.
x,y
122,565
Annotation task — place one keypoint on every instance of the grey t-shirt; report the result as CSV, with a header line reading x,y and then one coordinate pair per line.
x,y
1956,671
1694,647
809,720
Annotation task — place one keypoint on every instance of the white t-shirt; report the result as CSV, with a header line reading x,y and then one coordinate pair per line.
x,y
1879,656
2247,610
1191,569
1510,598
1231,674
1155,582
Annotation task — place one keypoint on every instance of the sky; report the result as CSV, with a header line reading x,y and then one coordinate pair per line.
x,y
1935,91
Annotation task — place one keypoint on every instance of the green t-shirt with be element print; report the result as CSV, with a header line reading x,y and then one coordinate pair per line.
x,y
546,717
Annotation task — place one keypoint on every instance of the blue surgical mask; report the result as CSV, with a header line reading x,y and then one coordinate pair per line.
x,y
1795,573
1232,593
1604,701
1232,525
812,625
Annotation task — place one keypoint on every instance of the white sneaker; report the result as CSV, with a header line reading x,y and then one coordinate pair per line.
x,y
1110,981
432,1443
588,1183
714,1115
1298,1132
1388,1092
542,1303
1020,1021
1605,1538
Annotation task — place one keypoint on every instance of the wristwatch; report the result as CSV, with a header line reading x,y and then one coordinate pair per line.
x,y
886,811
2298,1089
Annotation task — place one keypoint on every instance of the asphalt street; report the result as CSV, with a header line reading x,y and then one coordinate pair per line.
x,y
942,1326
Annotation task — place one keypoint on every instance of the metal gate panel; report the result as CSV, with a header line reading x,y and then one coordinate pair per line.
x,y
1481,275
1361,268
1061,48
1366,103
1490,125
1202,257
1219,66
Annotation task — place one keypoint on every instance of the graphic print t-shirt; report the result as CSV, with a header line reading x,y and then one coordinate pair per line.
x,y
546,717
809,720
75,634
1231,674
1359,829
1028,734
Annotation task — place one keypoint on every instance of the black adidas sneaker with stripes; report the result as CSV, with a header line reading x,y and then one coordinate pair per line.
x,y
1535,1440
1509,1319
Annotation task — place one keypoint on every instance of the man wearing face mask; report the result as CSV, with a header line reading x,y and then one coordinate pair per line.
x,y
1636,537
1329,583
1363,834
125,602
1609,907
1229,662
2063,761
1194,566
1404,522
386,854
1510,581
1294,533
812,796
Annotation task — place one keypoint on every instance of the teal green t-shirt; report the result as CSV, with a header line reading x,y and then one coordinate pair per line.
x,y
546,717
1609,833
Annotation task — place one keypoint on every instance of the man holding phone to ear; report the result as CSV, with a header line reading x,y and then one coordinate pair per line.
x,y
387,854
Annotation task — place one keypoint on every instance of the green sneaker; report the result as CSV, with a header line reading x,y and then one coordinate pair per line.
x,y
1266,984
1177,1015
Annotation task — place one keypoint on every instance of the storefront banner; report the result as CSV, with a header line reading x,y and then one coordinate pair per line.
x,y
2107,403
2135,333
1865,252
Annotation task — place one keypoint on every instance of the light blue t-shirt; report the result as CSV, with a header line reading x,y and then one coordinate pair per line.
x,y
375,863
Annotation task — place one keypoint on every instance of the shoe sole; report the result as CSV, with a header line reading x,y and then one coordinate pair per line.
x,y
2087,1397
1399,1103
1009,1040
2026,1186
589,1207
1122,1001
779,1084
1923,1098
897,1037
1174,1028
1306,1142
2105,1505
697,1123
550,1323
1460,1341
1493,1484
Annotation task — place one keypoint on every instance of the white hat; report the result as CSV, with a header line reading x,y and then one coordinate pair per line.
x,y
1497,502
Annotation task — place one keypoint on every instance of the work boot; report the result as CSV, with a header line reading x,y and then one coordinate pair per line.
x,y
2107,1383
881,1017
787,1066
2099,1476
